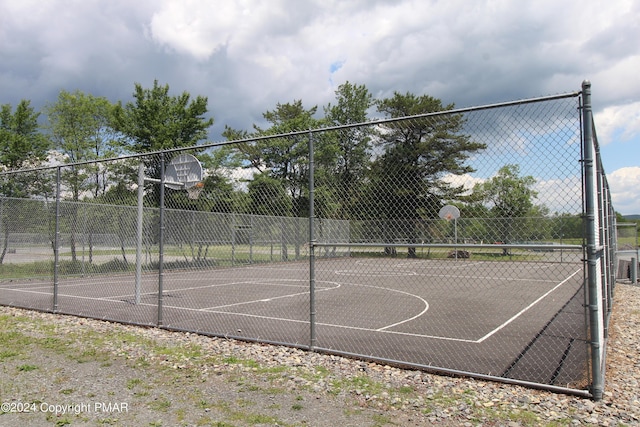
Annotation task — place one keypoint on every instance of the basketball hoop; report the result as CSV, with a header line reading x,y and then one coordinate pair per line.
x,y
449,212
184,172
194,191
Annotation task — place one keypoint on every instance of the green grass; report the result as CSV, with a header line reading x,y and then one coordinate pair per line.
x,y
361,383
133,383
244,417
232,360
161,404
26,270
27,368
13,344
383,420
183,258
188,351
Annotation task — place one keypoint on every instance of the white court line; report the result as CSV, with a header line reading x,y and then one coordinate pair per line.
x,y
254,301
378,273
494,278
389,272
384,328
527,307
423,264
219,285
355,328
439,266
426,308
37,285
256,316
105,299
408,334
272,298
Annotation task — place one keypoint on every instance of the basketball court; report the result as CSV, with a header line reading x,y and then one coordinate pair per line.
x,y
496,318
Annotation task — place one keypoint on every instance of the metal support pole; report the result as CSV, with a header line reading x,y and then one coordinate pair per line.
x,y
139,233
233,241
595,317
455,236
251,240
312,242
634,271
56,244
161,243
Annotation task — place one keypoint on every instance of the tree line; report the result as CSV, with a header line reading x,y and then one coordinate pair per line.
x,y
393,175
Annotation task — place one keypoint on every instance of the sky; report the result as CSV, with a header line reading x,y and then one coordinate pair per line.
x,y
246,56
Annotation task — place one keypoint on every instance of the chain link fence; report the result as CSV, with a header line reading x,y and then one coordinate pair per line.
x,y
474,241
628,252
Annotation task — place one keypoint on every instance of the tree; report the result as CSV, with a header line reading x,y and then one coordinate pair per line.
x,y
79,125
21,146
282,158
415,157
509,197
267,196
218,194
157,121
342,157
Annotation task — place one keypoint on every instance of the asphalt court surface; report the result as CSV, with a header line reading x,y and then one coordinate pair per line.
x,y
466,315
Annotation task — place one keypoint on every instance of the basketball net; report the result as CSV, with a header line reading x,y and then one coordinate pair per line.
x,y
448,217
194,191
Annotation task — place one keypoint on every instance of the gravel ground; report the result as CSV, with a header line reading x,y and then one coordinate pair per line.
x,y
60,370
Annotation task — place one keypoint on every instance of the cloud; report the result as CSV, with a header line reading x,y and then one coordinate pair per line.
x,y
618,123
394,43
468,182
560,195
50,46
197,28
625,190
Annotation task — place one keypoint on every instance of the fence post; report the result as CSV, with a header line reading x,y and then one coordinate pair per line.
x,y
139,232
161,242
312,242
56,243
593,301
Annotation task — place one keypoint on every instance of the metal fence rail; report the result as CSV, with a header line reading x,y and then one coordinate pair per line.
x,y
344,242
